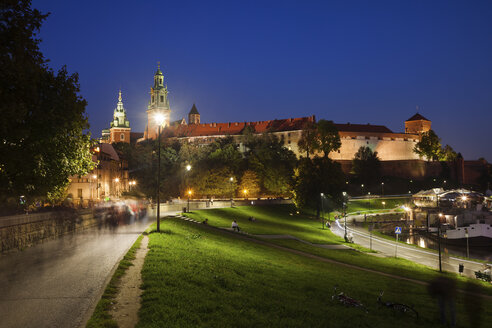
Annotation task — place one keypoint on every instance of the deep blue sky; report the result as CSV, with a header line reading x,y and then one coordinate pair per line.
x,y
347,61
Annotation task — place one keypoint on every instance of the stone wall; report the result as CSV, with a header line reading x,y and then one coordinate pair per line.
x,y
21,231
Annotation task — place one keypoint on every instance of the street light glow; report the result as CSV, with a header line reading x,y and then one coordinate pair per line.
x,y
231,179
94,176
116,180
464,198
159,118
245,191
189,192
188,167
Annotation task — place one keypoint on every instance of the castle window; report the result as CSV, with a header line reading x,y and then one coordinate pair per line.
x,y
152,99
162,98
160,81
122,136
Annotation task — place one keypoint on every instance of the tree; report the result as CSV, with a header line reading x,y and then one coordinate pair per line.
x,y
329,139
309,140
429,146
249,183
272,162
42,139
366,165
448,154
316,176
215,183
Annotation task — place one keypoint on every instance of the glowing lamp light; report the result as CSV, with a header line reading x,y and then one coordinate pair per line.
x,y
116,180
159,118
245,191
231,179
189,192
94,176
464,198
188,167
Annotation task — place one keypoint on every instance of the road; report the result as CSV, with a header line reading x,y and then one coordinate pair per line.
x,y
59,282
418,255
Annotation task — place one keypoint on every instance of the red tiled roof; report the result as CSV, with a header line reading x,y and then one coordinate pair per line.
x,y
362,128
417,117
235,128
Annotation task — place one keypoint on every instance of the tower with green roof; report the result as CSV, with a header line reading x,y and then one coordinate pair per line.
x,y
119,130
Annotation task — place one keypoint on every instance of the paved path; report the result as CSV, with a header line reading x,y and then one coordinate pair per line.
x,y
415,254
58,283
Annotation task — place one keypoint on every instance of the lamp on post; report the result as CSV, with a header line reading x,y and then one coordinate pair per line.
x,y
231,179
344,204
245,192
322,210
189,195
439,241
159,120
382,188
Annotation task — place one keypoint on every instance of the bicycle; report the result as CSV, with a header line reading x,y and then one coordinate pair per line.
x,y
346,300
398,307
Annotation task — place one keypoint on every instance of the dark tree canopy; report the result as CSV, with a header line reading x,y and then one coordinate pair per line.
x,y
42,139
366,166
322,137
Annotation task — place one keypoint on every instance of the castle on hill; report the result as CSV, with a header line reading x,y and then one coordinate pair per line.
x,y
389,145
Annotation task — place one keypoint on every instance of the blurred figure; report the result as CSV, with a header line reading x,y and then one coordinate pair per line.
x,y
444,289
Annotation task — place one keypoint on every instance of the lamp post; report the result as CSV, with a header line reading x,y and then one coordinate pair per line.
x,y
245,192
159,119
189,195
344,212
116,186
231,179
322,211
439,241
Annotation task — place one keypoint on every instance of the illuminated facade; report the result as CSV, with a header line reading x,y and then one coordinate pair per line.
x,y
119,130
158,104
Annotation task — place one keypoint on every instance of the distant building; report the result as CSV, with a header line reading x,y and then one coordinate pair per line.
x,y
390,146
108,180
119,130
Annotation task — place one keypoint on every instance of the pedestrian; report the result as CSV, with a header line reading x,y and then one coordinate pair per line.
x,y
444,289
235,226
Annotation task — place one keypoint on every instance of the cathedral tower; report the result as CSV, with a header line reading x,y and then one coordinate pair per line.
x,y
119,130
158,104
193,116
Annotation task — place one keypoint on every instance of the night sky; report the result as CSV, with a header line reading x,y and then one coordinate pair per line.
x,y
347,61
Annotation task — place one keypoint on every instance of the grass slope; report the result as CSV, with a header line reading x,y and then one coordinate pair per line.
x,y
278,220
274,219
196,276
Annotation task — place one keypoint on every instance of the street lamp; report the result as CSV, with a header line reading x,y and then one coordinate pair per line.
x,y
116,187
344,193
322,210
159,120
188,167
245,192
439,241
231,179
189,195
382,188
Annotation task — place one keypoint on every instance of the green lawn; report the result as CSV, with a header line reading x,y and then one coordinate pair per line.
x,y
278,220
367,205
275,219
196,276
